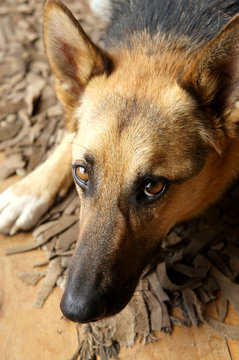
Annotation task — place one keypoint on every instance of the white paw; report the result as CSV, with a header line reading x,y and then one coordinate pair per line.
x,y
19,212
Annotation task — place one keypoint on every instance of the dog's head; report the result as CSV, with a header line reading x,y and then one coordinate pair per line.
x,y
152,147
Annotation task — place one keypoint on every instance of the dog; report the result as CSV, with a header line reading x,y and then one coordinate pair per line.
x,y
153,136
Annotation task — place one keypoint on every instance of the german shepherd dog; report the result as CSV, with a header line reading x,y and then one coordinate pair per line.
x,y
153,121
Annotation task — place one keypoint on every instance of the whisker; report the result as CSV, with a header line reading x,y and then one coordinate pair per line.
x,y
74,144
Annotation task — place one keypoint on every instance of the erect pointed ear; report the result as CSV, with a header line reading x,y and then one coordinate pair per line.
x,y
73,57
213,77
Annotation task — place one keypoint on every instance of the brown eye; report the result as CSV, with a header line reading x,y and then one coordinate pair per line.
x,y
81,174
153,189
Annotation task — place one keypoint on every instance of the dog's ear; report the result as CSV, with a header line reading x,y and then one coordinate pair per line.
x,y
73,57
213,78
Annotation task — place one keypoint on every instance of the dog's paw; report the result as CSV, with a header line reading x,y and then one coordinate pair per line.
x,y
20,209
23,204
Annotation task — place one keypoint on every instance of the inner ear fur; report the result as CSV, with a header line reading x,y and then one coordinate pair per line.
x,y
73,57
213,78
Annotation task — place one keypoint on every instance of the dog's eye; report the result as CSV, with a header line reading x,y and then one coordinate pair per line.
x,y
154,189
81,174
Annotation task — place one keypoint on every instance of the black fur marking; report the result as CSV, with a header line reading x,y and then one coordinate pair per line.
x,y
200,20
132,109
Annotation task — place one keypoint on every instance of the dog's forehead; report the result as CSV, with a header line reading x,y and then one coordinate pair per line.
x,y
116,126
137,133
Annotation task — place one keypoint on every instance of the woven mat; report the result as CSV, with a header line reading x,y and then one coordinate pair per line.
x,y
198,260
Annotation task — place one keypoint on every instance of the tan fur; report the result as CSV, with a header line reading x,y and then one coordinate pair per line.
x,y
153,108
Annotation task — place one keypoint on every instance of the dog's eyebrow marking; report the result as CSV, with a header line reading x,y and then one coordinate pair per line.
x,y
89,158
88,155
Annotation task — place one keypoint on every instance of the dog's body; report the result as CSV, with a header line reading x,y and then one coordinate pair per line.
x,y
154,121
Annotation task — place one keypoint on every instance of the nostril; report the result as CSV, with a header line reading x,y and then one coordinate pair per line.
x,y
82,309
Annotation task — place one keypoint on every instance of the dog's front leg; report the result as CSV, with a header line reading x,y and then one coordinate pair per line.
x,y
22,205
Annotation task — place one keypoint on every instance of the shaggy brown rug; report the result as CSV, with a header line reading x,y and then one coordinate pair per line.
x,y
198,259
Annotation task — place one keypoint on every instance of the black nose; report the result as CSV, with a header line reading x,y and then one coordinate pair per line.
x,y
82,308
